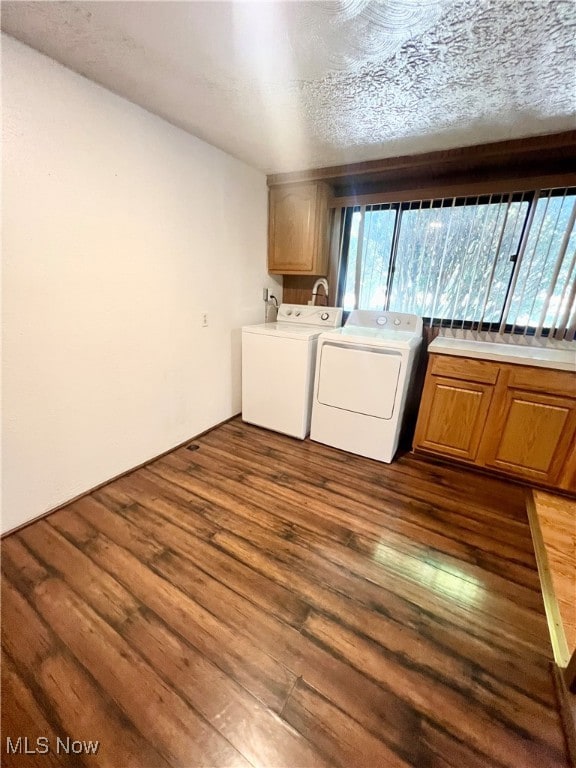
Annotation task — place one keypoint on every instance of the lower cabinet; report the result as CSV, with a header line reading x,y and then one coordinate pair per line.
x,y
518,420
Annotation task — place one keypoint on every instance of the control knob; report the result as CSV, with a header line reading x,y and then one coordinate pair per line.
x,y
382,320
397,321
297,314
324,316
288,311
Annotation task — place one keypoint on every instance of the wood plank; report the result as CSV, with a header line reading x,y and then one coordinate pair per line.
x,y
179,733
420,506
25,718
117,495
237,497
554,619
236,655
266,601
511,664
202,564
130,536
456,713
408,535
417,544
384,627
244,498
567,704
557,520
400,595
388,552
429,482
72,526
442,750
296,653
282,643
256,731
34,642
19,564
93,716
457,658
501,156
186,515
99,589
467,596
340,738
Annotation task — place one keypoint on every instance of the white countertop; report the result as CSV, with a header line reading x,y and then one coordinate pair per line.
x,y
506,348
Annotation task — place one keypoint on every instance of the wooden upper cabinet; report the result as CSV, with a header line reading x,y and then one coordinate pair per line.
x,y
298,233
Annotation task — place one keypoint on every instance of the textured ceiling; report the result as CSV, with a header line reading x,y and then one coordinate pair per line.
x,y
294,85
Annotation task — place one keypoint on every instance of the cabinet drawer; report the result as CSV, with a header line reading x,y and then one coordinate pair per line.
x,y
464,368
543,380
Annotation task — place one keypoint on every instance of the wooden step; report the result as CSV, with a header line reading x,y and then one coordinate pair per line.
x,y
553,526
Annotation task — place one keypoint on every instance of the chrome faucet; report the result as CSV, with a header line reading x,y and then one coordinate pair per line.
x,y
320,282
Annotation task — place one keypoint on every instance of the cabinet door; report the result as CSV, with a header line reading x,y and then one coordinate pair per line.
x,y
452,416
298,229
535,435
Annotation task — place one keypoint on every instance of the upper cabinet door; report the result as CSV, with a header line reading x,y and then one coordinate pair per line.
x,y
298,229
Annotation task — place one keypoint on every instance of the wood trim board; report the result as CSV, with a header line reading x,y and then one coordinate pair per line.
x,y
460,189
555,626
567,709
554,152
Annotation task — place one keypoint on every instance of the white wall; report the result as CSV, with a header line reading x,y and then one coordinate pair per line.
x,y
118,231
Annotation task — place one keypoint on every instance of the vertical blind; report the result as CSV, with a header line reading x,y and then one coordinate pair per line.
x,y
504,262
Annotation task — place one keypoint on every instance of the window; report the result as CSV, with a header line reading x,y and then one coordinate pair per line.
x,y
496,262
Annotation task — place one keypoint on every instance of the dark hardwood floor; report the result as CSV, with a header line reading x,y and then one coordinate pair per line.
x,y
266,602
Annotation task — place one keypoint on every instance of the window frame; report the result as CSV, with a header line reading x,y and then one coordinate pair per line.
x,y
531,196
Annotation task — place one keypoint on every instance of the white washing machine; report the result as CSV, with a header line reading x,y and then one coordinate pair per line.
x,y
363,376
278,361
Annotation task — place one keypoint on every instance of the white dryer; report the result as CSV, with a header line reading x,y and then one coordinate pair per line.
x,y
363,376
278,362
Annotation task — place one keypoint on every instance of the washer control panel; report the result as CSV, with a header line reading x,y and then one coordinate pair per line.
x,y
329,317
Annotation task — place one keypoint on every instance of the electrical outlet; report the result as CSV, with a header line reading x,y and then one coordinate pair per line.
x,y
204,319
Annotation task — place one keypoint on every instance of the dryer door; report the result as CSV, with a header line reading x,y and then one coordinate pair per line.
x,y
358,379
